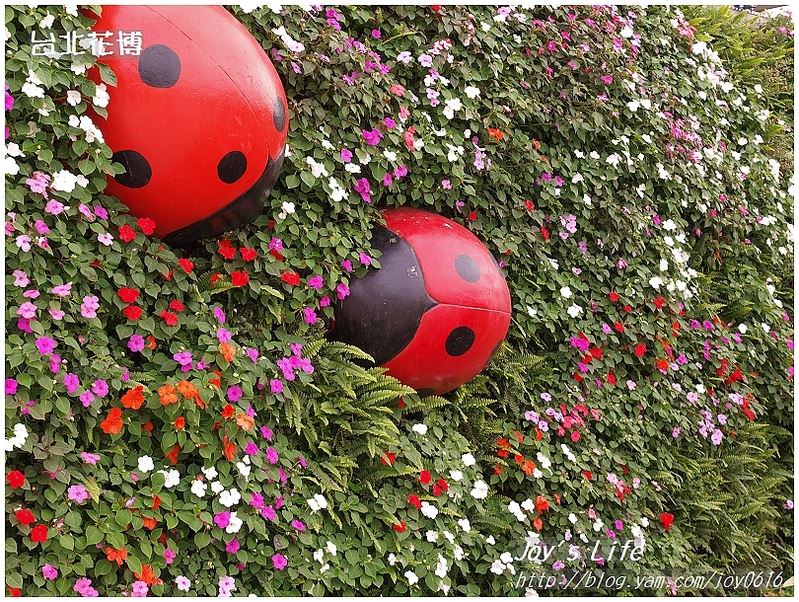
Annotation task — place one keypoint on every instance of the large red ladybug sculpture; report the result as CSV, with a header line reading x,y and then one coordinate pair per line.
x,y
198,118
435,311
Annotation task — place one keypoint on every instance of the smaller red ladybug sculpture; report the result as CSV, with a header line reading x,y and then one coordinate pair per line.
x,y
436,310
198,118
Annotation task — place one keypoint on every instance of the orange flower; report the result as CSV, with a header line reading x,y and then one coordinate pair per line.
x,y
528,467
228,351
147,575
228,448
180,423
187,389
149,523
133,398
245,422
228,411
538,524
541,503
112,425
495,134
217,380
167,394
116,555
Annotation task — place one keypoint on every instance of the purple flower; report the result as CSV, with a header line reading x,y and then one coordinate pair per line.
x,y
136,343
276,386
100,388
11,386
271,455
71,382
78,493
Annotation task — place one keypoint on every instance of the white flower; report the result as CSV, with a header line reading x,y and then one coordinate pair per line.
x,y
234,525
217,487
528,505
420,429
287,207
317,502
490,540
766,328
575,310
543,460
441,567
633,105
331,547
455,475
664,265
392,559
32,90
577,178
182,583
19,437
698,47
471,92
47,22
101,98
64,181
429,510
146,464
468,460
411,577
10,166
198,488
73,99
758,88
390,155
497,567
244,469
319,555
626,32
565,292
656,282
572,518
352,168
317,169
171,477
432,536
230,498
742,328
506,557
451,106
465,525
480,490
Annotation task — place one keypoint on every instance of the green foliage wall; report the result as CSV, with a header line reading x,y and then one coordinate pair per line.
x,y
177,423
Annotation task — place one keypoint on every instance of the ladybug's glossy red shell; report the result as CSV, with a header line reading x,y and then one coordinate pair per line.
x,y
436,310
198,118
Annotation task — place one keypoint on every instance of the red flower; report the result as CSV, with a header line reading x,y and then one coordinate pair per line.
x,y
659,302
170,318
544,232
128,295
588,474
148,426
666,520
167,276
628,308
442,484
413,500
25,517
226,250
127,234
215,278
132,312
134,398
228,411
176,305
180,423
173,454
112,424
187,265
618,327
146,225
156,502
290,278
425,477
472,216
611,378
39,534
541,503
239,278
248,254
614,296
149,523
276,254
640,349
662,365
15,479
399,527
596,353
388,458
14,592
529,205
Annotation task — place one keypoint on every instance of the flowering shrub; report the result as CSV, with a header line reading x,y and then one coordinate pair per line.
x,y
176,422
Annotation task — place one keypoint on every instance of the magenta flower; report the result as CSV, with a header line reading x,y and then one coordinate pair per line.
x,y
316,282
222,519
279,561
169,555
45,345
11,386
234,393
269,514
342,291
364,259
372,137
271,455
298,524
89,458
232,546
49,572
276,386
346,155
363,188
27,310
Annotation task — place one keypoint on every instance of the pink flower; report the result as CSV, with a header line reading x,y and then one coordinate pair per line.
x,y
342,291
607,79
276,386
78,493
89,307
49,572
89,458
363,188
136,343
169,555
316,282
346,155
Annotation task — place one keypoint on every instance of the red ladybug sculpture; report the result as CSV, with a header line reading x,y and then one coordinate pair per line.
x,y
198,118
436,310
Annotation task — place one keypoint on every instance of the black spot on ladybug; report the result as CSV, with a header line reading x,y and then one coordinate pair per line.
x,y
232,167
467,268
137,170
279,114
159,66
459,341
